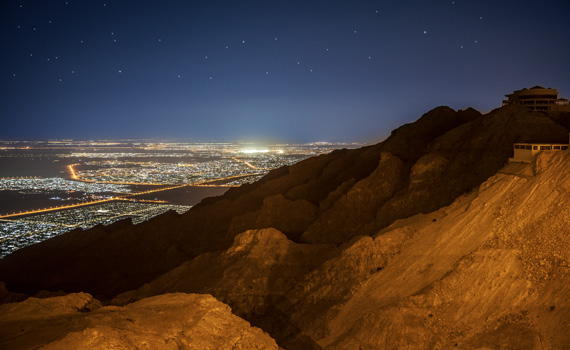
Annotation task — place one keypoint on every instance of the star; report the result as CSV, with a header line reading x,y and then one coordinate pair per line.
x,y
179,76
72,72
425,31
120,71
211,78
266,73
243,41
275,38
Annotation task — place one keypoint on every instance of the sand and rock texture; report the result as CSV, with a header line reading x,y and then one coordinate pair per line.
x,y
169,321
428,240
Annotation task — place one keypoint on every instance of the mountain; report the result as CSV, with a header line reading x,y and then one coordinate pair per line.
x,y
425,240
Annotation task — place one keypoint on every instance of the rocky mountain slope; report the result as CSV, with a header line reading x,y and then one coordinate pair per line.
x,y
425,240
492,270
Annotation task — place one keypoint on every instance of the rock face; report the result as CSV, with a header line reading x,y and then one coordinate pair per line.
x,y
426,241
170,321
252,275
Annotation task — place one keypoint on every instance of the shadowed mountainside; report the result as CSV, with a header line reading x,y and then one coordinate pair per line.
x,y
120,257
394,244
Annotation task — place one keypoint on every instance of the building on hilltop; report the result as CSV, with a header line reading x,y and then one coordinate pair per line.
x,y
538,98
524,152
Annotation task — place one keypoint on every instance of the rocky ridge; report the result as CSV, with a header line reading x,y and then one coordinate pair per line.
x,y
425,240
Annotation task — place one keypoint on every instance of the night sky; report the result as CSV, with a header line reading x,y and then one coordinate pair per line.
x,y
282,70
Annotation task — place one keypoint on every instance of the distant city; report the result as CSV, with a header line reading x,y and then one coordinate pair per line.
x,y
51,187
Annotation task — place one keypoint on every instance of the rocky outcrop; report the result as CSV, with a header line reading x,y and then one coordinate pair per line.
x,y
356,208
464,157
443,168
170,321
252,276
291,216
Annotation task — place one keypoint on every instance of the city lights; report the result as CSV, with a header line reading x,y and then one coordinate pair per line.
x,y
105,181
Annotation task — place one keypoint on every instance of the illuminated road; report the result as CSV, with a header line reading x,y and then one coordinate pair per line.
x,y
63,207
76,177
204,183
72,172
123,197
249,164
73,175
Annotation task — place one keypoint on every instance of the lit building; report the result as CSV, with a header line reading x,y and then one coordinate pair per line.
x,y
524,152
538,99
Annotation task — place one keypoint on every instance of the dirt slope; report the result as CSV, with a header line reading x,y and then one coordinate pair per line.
x,y
494,266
